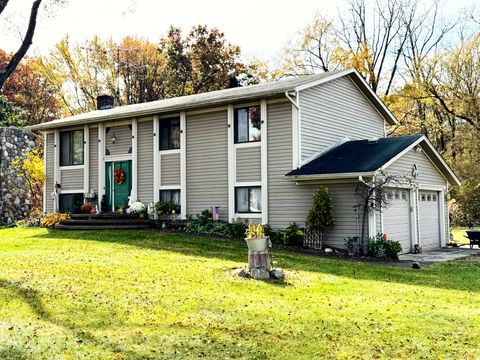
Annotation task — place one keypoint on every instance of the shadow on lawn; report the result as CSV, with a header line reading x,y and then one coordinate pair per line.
x,y
455,275
32,298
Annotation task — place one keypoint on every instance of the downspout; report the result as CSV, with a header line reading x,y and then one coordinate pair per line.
x,y
296,136
294,102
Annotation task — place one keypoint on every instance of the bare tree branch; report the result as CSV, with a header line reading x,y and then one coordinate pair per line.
x,y
3,4
27,41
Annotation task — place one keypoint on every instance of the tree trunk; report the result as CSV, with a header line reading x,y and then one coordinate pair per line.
x,y
27,41
259,264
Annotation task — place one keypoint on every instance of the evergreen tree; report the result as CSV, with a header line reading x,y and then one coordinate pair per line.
x,y
320,216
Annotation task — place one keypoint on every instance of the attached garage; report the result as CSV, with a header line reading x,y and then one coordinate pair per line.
x,y
417,183
397,217
429,219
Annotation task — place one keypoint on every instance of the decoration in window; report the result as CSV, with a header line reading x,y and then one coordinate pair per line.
x,y
248,124
248,199
119,176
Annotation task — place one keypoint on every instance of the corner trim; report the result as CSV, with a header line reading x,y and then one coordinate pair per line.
x,y
156,159
183,163
86,159
101,164
231,163
134,193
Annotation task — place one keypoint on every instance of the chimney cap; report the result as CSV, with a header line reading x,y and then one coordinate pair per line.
x,y
104,102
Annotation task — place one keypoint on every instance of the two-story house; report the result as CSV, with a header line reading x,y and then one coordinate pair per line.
x,y
257,152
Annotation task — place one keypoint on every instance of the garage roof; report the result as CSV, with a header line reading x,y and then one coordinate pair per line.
x,y
364,157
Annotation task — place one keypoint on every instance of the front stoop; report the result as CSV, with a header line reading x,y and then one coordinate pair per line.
x,y
109,221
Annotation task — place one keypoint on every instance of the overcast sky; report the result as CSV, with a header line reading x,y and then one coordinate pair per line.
x,y
259,27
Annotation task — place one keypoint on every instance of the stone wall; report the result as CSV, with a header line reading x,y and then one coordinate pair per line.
x,y
14,200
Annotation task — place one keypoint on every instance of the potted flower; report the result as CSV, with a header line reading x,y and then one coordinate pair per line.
x,y
138,208
255,238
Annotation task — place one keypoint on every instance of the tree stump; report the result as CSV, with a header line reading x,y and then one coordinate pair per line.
x,y
259,264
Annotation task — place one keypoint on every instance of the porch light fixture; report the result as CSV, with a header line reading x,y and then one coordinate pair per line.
x,y
114,139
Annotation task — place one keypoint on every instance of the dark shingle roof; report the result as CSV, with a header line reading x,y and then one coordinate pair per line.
x,y
356,156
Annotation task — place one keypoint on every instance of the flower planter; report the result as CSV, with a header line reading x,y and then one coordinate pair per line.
x,y
257,244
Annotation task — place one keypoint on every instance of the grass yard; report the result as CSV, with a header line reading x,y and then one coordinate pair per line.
x,y
458,235
137,295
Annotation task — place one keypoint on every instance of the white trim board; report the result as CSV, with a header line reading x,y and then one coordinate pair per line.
x,y
101,164
134,191
156,160
86,159
232,166
183,163
121,157
264,160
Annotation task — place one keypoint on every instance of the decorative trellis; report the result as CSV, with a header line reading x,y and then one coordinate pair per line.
x,y
313,239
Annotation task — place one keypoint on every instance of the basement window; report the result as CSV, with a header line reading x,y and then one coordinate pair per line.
x,y
170,134
248,199
171,196
71,148
248,124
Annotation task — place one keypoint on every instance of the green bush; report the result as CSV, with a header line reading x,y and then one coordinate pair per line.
x,y
381,247
165,208
276,236
237,230
28,223
293,235
202,224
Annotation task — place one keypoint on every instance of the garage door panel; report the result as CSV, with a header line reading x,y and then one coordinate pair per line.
x,y
396,217
429,219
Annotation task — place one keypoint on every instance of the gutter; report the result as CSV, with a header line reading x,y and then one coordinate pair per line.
x,y
355,175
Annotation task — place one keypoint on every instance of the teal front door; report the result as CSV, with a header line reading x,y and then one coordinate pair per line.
x,y
117,188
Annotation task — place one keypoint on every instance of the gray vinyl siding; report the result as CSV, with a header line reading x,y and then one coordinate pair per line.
x,y
289,202
93,159
248,164
145,161
207,162
72,179
170,169
332,111
49,171
123,143
427,173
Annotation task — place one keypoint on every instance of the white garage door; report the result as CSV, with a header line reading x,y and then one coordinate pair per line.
x,y
429,219
396,217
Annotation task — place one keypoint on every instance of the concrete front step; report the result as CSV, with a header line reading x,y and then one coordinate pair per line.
x,y
138,226
103,216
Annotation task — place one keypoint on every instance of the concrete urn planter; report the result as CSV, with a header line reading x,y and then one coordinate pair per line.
x,y
257,244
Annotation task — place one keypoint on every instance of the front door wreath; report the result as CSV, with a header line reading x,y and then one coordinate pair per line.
x,y
119,176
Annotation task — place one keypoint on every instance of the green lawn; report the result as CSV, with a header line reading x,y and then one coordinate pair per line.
x,y
459,235
137,295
